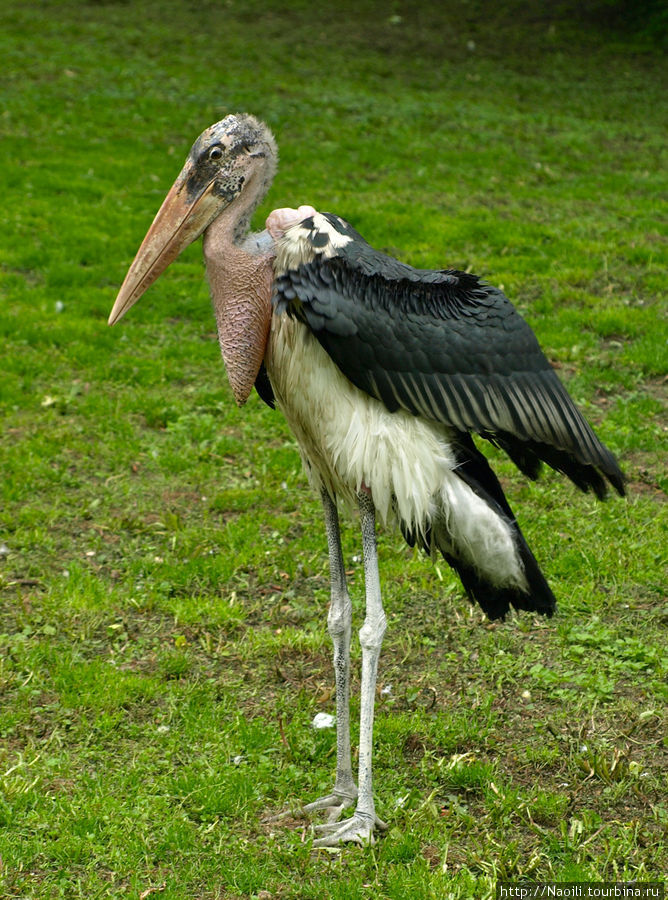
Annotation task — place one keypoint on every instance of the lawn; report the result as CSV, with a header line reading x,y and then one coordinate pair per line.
x,y
163,568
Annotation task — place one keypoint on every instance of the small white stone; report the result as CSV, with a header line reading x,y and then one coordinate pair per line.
x,y
323,720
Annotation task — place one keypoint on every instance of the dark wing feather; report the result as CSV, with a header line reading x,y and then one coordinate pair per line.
x,y
264,389
448,347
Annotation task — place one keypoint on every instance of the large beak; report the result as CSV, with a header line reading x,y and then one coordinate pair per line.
x,y
181,219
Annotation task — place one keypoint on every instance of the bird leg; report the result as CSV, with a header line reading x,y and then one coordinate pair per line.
x,y
361,826
339,621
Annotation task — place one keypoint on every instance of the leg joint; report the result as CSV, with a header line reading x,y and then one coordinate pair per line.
x,y
339,616
371,633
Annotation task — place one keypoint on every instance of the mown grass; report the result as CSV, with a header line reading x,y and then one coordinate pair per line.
x,y
164,585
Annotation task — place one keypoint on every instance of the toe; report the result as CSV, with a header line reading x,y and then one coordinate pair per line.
x,y
356,830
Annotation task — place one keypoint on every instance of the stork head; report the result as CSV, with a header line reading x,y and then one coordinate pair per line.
x,y
232,160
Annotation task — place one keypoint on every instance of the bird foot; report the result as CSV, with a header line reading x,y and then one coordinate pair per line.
x,y
358,829
332,804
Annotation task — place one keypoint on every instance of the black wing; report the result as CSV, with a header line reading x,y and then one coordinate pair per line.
x,y
448,347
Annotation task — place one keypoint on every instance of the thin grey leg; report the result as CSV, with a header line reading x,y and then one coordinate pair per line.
x,y
371,639
361,826
339,622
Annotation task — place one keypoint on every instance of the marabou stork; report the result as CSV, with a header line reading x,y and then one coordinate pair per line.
x,y
383,372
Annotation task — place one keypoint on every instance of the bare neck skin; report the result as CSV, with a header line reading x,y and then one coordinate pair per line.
x,y
240,273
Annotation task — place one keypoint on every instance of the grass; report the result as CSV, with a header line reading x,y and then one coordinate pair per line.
x,y
162,562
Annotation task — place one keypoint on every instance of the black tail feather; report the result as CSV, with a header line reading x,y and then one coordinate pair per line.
x,y
495,601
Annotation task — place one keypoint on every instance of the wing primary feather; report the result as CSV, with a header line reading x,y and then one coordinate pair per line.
x,y
467,386
581,434
373,384
391,398
498,407
433,406
518,410
414,394
557,419
566,412
530,401
453,409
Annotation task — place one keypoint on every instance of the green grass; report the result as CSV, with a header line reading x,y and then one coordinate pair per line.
x,y
163,573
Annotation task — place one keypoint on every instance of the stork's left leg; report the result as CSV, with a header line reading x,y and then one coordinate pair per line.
x,y
361,826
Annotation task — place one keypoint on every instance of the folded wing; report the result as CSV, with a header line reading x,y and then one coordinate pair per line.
x,y
445,346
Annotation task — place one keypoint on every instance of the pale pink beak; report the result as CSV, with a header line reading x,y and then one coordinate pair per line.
x,y
180,220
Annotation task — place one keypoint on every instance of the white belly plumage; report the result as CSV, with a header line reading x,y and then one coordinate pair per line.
x,y
349,441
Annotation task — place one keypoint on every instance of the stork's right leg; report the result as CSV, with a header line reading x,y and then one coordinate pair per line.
x,y
339,621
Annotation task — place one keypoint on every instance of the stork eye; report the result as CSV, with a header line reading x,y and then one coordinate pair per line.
x,y
215,152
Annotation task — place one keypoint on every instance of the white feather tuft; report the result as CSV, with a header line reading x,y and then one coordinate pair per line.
x,y
295,246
